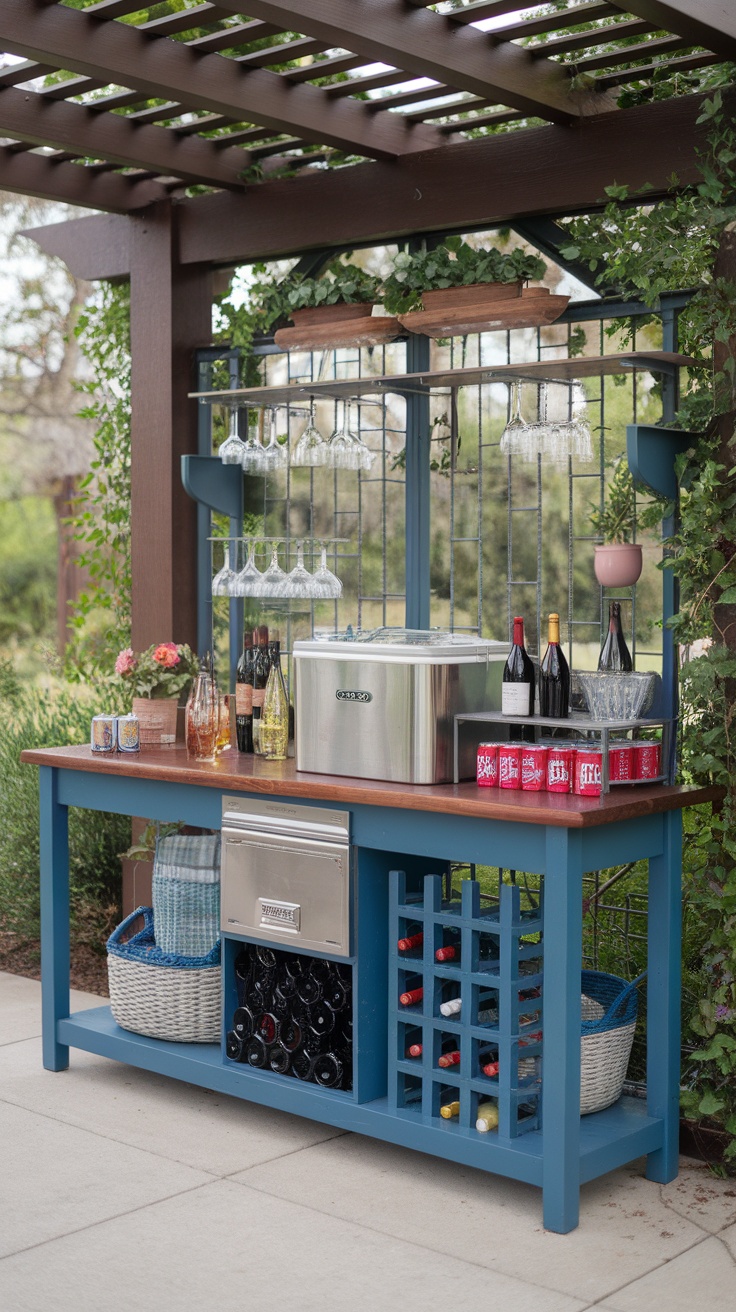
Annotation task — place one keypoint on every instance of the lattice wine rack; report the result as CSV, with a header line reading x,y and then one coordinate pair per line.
x,y
460,1066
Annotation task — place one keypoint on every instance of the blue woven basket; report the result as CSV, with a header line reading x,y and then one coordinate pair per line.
x,y
164,995
609,1010
186,893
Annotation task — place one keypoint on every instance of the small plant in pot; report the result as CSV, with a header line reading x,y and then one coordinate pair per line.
x,y
618,561
343,291
418,276
156,678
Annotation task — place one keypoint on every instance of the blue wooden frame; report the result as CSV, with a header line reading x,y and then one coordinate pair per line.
x,y
568,1150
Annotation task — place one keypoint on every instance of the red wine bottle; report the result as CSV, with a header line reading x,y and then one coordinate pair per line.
x,y
554,677
615,656
244,696
517,693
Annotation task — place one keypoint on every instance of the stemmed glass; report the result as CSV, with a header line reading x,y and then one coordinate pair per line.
x,y
233,448
324,585
513,437
345,450
252,453
299,580
272,580
249,576
224,582
274,456
311,449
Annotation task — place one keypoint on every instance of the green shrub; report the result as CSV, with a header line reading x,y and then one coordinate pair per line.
x,y
46,719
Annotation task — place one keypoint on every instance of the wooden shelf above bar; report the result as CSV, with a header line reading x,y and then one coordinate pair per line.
x,y
537,371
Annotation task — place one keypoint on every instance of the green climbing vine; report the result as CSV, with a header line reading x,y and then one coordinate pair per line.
x,y
688,240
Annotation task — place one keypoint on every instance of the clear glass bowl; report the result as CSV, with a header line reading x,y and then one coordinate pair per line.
x,y
617,696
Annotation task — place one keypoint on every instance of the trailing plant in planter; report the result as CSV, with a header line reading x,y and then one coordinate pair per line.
x,y
346,284
456,264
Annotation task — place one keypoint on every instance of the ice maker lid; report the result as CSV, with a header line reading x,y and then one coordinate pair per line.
x,y
387,644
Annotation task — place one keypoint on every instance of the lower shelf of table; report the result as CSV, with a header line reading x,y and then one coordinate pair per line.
x,y
607,1139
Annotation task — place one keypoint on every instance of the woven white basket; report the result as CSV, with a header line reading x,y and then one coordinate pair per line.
x,y
604,1059
164,996
165,1002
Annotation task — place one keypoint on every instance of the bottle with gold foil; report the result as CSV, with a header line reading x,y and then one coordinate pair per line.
x,y
274,727
554,676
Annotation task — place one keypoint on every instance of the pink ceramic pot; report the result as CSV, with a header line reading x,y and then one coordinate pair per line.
x,y
618,564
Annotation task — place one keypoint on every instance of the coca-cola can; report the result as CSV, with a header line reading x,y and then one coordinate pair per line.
x,y
534,768
647,760
588,771
560,767
487,765
621,763
509,765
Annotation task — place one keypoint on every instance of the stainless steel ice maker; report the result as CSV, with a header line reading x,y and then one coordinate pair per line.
x,y
383,707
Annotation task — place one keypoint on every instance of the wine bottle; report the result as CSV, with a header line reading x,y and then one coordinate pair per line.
x,y
449,1109
244,696
615,656
321,1018
487,1117
451,1058
261,671
279,1060
274,726
233,1046
329,1070
411,941
302,1064
451,951
411,998
414,1050
517,692
554,677
256,1053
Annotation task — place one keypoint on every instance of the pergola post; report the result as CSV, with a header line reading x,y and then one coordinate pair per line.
x,y
170,316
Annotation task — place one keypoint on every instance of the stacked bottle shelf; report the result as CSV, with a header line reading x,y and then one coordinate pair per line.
x,y
465,1018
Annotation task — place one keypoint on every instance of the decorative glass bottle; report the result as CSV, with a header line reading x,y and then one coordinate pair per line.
x,y
274,738
202,715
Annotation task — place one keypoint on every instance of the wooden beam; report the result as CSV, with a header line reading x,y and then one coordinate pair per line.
x,y
428,44
463,186
98,246
163,68
74,184
45,121
708,23
170,316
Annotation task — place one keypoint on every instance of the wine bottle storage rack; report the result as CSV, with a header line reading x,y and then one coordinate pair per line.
x,y
499,979
298,1016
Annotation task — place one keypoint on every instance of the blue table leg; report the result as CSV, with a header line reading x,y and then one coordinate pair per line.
x,y
563,929
663,996
54,918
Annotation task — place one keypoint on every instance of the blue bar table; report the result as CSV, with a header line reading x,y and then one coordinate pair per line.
x,y
415,829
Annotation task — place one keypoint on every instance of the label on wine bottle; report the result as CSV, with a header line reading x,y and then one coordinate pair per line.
x,y
244,699
259,695
515,699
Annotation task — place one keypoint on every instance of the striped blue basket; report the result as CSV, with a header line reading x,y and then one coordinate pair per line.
x,y
161,994
186,893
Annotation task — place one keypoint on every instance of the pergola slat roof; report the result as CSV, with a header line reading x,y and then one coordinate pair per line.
x,y
301,84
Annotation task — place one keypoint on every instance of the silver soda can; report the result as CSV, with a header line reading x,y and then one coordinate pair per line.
x,y
103,734
128,733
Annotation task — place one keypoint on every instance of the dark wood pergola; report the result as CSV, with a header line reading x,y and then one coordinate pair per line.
x,y
310,125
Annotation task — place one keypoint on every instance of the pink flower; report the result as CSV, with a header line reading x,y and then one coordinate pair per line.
x,y
167,654
126,661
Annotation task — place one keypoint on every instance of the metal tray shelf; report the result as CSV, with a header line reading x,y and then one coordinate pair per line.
x,y
577,722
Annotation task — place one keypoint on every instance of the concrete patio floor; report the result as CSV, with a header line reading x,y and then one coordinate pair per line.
x,y
123,1189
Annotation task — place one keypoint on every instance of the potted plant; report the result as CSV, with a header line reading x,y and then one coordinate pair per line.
x,y
157,677
343,291
456,289
618,561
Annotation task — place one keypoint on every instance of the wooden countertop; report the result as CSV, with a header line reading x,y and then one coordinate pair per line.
x,y
248,774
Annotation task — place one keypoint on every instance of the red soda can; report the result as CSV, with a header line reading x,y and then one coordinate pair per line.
x,y
621,762
588,771
487,765
647,760
509,765
560,766
534,768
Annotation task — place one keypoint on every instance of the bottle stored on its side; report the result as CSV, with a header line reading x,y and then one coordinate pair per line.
x,y
274,727
244,696
517,693
615,656
449,1110
261,671
554,677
